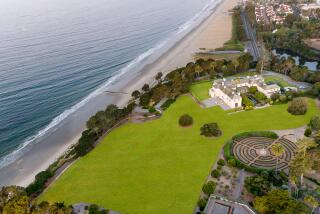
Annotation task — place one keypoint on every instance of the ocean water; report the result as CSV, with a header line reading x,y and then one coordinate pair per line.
x,y
55,53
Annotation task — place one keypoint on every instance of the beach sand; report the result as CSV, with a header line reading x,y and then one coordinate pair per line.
x,y
210,34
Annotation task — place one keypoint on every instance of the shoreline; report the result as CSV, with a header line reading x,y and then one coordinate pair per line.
x,y
211,32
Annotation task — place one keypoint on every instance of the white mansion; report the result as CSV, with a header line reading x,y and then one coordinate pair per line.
x,y
229,90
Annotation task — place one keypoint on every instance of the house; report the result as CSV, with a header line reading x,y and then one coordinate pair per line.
x,y
229,91
221,205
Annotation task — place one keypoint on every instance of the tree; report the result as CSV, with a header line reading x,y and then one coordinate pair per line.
x,y
277,150
308,132
275,96
210,130
244,62
305,144
259,66
185,120
257,185
278,202
315,123
198,70
293,181
312,201
14,200
145,99
253,89
135,94
209,187
159,92
202,203
92,124
298,106
159,76
17,206
302,161
145,88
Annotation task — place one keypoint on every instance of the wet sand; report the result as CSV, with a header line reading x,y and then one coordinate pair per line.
x,y
210,34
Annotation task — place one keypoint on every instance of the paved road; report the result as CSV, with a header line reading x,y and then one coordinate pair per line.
x,y
239,184
300,85
253,44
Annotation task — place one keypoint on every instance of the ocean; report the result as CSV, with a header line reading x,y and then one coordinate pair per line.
x,y
55,54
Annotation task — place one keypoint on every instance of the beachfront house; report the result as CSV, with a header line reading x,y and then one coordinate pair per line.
x,y
229,90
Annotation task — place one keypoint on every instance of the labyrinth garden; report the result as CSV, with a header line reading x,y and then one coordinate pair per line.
x,y
256,152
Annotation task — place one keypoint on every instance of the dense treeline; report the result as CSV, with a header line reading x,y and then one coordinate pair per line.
x,y
296,72
177,82
250,11
14,200
292,35
238,33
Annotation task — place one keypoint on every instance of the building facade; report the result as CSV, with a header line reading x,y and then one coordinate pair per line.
x,y
229,91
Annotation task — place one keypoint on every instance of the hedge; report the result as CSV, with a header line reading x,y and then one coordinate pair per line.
x,y
255,134
231,159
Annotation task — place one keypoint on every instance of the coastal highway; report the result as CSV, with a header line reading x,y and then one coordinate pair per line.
x,y
253,47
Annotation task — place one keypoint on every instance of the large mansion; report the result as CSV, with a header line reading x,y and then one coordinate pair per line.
x,y
229,90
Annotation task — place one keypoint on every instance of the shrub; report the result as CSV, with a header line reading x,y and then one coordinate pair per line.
x,y
39,182
232,162
221,162
209,187
185,120
85,143
307,132
145,99
167,104
210,130
215,173
202,203
298,106
253,89
260,96
275,96
315,123
246,102
152,110
283,98
255,134
257,185
219,167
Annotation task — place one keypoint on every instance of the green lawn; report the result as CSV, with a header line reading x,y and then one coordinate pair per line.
x,y
277,80
201,90
158,167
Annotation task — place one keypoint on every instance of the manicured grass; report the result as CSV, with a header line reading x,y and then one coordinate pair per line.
x,y
220,56
201,90
157,166
277,80
231,45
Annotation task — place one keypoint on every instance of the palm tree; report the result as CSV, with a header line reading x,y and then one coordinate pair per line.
x,y
198,70
312,201
277,150
293,181
305,144
300,164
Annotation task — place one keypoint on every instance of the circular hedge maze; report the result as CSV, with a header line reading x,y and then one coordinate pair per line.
x,y
256,152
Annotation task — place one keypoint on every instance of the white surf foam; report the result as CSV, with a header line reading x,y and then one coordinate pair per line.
x,y
181,31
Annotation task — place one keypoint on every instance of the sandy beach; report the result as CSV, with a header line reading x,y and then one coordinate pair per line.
x,y
210,34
